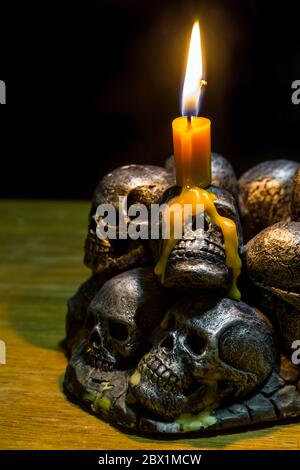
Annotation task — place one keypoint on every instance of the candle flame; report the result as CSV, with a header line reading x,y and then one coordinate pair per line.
x,y
193,76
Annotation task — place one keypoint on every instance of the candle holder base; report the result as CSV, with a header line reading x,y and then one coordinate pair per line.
x,y
182,357
277,401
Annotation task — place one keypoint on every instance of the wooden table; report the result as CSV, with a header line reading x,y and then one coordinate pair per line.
x,y
41,245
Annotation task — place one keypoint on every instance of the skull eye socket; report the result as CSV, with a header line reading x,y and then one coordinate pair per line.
x,y
118,330
196,343
168,343
90,321
225,211
171,323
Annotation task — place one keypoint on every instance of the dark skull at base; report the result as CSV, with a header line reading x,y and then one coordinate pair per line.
x,y
209,353
198,260
265,193
143,184
214,349
121,318
273,266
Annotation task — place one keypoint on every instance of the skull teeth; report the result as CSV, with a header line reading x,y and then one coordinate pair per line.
x,y
160,370
190,249
159,374
94,246
99,363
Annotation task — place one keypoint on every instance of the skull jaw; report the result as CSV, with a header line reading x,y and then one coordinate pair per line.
x,y
169,405
203,272
166,405
102,392
96,358
102,257
104,360
109,357
166,391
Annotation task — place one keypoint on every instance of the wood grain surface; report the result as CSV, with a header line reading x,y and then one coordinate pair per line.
x,y
41,245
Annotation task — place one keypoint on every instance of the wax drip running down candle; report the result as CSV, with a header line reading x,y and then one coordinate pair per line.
x,y
192,155
196,196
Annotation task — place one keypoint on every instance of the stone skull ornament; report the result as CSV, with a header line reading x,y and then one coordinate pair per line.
x,y
214,350
265,193
273,266
296,196
77,311
121,318
198,260
143,184
140,184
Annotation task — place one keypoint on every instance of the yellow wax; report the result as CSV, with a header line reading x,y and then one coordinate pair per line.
x,y
190,422
195,196
192,152
135,378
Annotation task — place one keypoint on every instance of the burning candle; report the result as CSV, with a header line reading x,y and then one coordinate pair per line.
x,y
192,153
191,134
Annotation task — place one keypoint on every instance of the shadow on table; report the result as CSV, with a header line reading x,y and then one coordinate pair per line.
x,y
38,315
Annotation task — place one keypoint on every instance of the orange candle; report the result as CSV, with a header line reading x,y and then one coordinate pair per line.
x,y
192,154
192,151
191,134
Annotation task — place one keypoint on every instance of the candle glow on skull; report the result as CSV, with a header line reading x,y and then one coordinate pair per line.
x,y
193,76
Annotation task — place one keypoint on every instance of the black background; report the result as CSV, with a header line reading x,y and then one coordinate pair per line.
x,y
92,88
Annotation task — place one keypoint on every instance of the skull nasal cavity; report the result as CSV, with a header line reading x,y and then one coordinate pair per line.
x,y
168,343
205,224
95,339
118,330
196,344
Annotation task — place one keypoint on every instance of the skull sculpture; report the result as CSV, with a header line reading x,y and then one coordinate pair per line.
x,y
265,195
215,349
121,317
222,173
198,259
140,184
296,196
273,265
77,311
208,361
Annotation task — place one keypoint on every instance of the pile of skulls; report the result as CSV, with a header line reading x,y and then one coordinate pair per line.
x,y
183,357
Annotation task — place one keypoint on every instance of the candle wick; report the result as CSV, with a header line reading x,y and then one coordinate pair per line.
x,y
189,121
